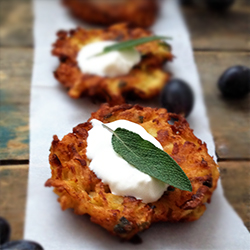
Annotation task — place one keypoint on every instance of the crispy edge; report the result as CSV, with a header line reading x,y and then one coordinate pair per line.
x,y
131,215
144,81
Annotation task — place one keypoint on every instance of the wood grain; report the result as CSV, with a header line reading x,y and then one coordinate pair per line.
x,y
16,22
14,127
211,30
235,178
15,74
229,118
13,186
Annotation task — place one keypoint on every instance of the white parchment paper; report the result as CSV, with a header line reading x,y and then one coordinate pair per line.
x,y
54,112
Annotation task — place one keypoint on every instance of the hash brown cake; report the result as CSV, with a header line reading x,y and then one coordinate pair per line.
x,y
79,188
145,80
141,13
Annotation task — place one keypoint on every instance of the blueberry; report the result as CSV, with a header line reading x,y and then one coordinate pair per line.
x,y
235,82
177,97
219,4
4,231
21,245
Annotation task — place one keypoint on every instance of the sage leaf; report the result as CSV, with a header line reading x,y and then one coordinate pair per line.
x,y
130,44
149,159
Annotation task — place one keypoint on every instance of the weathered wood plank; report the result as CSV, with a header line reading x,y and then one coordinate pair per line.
x,y
15,73
229,119
13,185
14,132
16,22
235,178
211,30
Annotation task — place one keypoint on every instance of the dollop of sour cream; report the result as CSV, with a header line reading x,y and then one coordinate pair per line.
x,y
122,178
111,64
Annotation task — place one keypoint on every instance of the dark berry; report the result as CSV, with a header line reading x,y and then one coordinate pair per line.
x,y
4,231
21,245
177,97
235,82
219,4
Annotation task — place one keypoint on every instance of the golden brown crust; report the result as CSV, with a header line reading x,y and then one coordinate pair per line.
x,y
79,188
141,13
144,80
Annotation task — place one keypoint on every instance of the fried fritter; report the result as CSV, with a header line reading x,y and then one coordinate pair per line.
x,y
145,80
79,188
141,13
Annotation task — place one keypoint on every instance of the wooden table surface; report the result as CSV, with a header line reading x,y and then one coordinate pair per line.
x,y
219,41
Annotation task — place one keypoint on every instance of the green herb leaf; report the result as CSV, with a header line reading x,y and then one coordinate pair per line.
x,y
130,44
149,159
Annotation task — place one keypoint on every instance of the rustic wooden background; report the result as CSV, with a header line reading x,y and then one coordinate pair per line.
x,y
219,41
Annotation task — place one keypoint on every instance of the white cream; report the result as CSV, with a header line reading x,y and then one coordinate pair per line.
x,y
122,178
111,64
